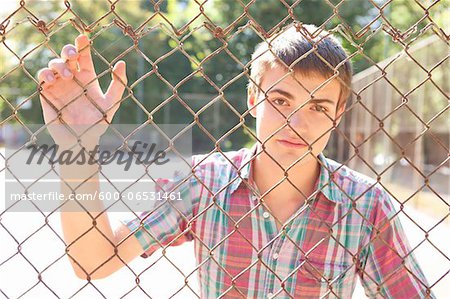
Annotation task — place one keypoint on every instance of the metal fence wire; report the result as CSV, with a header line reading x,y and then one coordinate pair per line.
x,y
189,62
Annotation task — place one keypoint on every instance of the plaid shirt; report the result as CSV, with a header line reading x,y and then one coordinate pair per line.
x,y
348,228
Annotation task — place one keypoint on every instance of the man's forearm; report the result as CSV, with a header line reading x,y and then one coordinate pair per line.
x,y
87,230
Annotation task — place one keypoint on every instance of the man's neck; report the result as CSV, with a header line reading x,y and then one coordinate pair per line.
x,y
289,193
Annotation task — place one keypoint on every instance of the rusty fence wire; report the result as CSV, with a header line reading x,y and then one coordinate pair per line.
x,y
395,129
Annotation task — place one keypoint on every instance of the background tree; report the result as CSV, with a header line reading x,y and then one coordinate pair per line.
x,y
177,65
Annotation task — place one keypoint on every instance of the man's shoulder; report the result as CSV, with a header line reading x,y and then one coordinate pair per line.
x,y
355,183
346,174
218,169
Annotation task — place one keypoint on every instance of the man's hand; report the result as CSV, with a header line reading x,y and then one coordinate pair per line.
x,y
70,84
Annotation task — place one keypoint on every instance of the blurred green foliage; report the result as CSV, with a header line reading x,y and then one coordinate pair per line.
x,y
206,76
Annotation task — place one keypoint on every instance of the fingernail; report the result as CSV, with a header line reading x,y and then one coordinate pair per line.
x,y
50,77
71,52
67,73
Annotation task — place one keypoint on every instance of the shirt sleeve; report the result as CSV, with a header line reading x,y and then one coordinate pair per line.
x,y
388,267
168,218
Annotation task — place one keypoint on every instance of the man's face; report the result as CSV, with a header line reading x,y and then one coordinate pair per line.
x,y
309,125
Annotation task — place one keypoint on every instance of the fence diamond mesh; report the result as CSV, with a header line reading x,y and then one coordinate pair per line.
x,y
181,75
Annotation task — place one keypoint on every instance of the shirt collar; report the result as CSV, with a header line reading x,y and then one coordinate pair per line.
x,y
243,171
247,161
326,183
328,180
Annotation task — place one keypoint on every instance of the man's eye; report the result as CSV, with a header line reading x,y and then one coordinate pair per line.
x,y
280,102
319,108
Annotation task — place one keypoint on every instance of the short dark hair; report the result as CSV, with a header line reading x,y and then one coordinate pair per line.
x,y
299,47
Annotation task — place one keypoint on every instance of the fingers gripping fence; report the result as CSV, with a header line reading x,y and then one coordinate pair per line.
x,y
189,63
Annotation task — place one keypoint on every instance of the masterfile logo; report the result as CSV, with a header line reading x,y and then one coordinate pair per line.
x,y
130,159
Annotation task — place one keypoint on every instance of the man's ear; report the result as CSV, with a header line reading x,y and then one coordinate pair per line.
x,y
251,102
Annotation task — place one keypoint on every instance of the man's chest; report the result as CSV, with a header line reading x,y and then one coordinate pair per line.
x,y
240,246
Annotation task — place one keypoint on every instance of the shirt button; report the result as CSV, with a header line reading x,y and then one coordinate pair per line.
x,y
275,256
266,215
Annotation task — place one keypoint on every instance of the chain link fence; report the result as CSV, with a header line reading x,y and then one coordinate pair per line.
x,y
188,63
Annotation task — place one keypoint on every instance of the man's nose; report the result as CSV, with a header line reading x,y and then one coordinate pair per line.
x,y
297,119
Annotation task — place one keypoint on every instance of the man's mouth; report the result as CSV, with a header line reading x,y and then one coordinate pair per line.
x,y
292,143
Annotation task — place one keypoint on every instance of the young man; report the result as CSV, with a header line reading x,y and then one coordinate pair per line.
x,y
277,220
